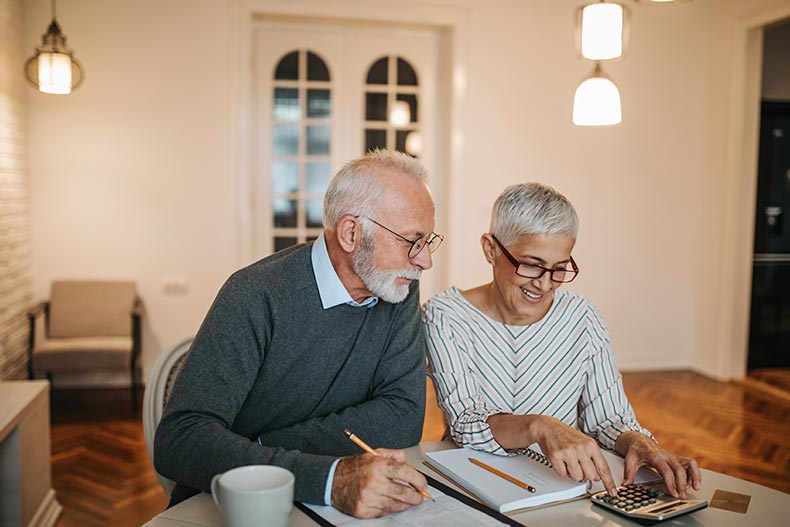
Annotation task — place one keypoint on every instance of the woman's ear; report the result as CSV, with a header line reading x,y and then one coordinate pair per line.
x,y
349,233
487,243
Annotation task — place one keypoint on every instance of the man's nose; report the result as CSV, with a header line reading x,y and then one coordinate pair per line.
x,y
423,260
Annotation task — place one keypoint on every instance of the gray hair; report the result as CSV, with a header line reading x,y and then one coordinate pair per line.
x,y
532,208
355,191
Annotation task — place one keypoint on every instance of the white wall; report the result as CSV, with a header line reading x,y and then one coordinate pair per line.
x,y
134,174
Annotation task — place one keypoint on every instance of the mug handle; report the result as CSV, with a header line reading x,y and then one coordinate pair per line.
x,y
215,489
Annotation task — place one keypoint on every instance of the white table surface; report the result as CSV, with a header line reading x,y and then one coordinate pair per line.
x,y
767,508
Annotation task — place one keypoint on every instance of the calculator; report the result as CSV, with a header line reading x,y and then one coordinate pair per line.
x,y
647,504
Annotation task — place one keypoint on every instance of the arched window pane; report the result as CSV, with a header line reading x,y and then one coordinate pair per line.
x,y
375,139
288,67
285,177
286,140
315,211
411,99
316,68
284,212
286,104
375,106
377,74
318,140
318,104
406,74
317,177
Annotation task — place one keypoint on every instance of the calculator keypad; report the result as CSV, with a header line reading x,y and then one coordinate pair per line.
x,y
647,504
630,497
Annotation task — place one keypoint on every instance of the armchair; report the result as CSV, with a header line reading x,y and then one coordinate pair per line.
x,y
86,326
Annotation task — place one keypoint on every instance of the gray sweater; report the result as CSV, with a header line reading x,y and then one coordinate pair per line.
x,y
270,360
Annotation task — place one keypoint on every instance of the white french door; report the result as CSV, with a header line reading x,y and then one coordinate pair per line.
x,y
323,94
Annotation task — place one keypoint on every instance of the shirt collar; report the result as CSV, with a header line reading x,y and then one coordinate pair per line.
x,y
330,288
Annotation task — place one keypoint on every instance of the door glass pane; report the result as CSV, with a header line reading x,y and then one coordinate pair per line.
x,y
318,140
284,212
286,104
375,139
315,210
318,104
377,74
400,140
406,74
375,106
288,67
281,242
317,177
285,177
316,68
411,99
286,139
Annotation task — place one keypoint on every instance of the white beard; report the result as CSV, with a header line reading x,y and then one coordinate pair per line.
x,y
381,282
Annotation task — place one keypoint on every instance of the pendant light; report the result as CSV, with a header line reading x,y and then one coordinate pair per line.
x,y
53,68
400,114
602,30
597,100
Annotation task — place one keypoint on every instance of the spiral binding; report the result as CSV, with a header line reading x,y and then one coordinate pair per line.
x,y
537,456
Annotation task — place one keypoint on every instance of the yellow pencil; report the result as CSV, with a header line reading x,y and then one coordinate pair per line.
x,y
502,475
364,446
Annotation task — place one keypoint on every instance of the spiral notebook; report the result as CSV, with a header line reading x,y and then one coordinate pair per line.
x,y
530,467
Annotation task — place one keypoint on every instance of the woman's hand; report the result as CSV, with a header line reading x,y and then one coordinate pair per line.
x,y
573,453
679,473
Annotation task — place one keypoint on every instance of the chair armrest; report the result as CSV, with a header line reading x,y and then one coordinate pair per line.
x,y
138,309
38,310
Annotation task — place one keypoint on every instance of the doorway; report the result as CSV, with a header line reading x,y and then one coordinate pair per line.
x,y
769,330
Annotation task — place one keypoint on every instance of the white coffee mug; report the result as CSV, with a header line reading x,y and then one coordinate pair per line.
x,y
254,496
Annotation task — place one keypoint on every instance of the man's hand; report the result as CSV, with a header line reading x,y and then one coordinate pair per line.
x,y
573,453
678,472
366,486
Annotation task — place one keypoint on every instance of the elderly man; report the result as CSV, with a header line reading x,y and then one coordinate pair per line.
x,y
311,340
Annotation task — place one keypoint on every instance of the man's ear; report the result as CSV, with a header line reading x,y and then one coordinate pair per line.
x,y
487,243
349,233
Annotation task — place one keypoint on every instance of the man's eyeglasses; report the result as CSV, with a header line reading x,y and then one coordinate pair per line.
x,y
526,270
432,240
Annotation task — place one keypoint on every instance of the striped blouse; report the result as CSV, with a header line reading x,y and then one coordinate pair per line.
x,y
561,366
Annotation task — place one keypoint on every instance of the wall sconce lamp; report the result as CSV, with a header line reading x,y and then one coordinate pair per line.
x,y
597,100
53,68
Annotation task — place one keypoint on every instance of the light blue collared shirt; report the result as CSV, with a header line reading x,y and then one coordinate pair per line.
x,y
330,288
332,293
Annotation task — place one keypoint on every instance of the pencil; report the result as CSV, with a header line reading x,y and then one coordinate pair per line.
x,y
502,475
364,446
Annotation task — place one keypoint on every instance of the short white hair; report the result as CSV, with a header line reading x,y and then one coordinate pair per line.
x,y
354,189
532,208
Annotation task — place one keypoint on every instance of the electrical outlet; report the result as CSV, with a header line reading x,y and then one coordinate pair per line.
x,y
175,285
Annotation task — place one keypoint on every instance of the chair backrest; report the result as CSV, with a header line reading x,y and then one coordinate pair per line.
x,y
157,392
91,308
433,428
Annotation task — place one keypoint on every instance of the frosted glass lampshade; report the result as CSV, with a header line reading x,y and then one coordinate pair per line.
x,y
601,36
54,73
597,101
400,114
414,143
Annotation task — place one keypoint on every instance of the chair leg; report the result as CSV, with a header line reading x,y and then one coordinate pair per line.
x,y
134,390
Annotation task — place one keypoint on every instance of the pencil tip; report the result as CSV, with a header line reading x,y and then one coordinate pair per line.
x,y
347,432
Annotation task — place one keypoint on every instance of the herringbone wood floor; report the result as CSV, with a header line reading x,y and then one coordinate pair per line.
x,y
102,475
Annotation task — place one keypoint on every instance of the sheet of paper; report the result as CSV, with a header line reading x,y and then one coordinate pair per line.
x,y
444,511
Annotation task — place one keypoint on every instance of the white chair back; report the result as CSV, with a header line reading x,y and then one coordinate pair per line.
x,y
157,392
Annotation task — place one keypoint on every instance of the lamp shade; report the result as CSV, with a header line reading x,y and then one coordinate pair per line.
x,y
597,101
400,114
601,31
53,68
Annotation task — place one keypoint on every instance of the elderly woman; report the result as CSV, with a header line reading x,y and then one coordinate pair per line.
x,y
517,361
